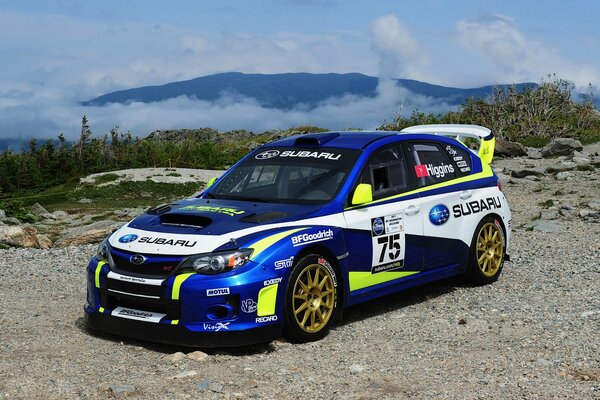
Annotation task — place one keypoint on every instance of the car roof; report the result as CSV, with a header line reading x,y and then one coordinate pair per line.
x,y
340,139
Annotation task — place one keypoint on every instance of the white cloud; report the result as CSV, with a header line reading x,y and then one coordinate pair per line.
x,y
400,55
514,57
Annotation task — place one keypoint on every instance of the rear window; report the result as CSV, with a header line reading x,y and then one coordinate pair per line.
x,y
431,164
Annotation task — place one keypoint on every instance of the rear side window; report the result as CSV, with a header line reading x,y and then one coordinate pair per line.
x,y
431,164
461,158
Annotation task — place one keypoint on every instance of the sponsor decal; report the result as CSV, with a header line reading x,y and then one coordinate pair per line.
x,y
265,155
387,267
450,150
137,259
461,163
377,226
287,263
217,292
248,306
387,224
269,318
307,238
128,238
439,171
135,279
231,211
439,215
216,327
311,154
465,169
458,158
139,315
324,263
273,281
166,241
476,206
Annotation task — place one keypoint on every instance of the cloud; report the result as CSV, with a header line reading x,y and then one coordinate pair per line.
x,y
514,57
399,53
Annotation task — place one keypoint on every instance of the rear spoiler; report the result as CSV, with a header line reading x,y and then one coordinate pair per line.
x,y
460,132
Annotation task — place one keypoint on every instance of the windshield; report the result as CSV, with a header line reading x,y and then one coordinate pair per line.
x,y
297,175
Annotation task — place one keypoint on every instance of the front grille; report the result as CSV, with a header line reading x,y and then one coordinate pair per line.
x,y
149,291
153,266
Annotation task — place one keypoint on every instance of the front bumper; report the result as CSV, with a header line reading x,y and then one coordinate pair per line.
x,y
177,334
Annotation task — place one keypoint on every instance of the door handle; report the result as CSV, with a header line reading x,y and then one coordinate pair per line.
x,y
412,210
465,194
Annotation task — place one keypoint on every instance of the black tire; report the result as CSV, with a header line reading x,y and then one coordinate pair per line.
x,y
310,300
486,257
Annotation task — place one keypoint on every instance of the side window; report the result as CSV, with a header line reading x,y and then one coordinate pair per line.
x,y
461,158
430,164
386,172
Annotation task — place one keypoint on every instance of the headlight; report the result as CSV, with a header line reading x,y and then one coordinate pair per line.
x,y
215,263
103,250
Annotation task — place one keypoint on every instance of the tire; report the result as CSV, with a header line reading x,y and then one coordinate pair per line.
x,y
486,257
310,300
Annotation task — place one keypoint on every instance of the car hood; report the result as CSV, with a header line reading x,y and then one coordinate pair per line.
x,y
193,226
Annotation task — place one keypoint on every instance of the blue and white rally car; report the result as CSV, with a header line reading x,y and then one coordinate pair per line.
x,y
300,229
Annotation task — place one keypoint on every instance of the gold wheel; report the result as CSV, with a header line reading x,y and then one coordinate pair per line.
x,y
490,249
313,298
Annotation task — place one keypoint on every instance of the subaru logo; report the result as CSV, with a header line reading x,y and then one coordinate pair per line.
x,y
128,238
439,214
267,154
137,259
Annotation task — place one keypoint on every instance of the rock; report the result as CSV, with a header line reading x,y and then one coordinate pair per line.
x,y
175,357
534,153
121,390
568,211
93,233
563,176
37,209
199,356
84,201
356,369
549,214
544,226
60,215
522,173
589,214
47,216
185,374
19,236
43,242
594,205
509,149
561,147
12,221
562,166
210,385
533,178
146,195
2,214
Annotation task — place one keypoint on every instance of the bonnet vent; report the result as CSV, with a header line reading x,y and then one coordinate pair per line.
x,y
318,139
186,220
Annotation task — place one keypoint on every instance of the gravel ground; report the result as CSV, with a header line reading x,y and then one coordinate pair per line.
x,y
533,334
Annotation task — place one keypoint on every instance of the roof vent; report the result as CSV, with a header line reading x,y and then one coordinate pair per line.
x,y
316,139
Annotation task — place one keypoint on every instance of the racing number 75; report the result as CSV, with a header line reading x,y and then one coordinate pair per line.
x,y
393,243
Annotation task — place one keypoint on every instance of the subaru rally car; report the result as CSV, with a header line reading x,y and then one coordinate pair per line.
x,y
300,229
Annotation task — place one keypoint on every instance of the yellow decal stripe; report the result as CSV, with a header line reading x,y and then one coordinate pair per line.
x,y
175,322
361,280
267,299
101,309
263,244
179,279
485,173
97,273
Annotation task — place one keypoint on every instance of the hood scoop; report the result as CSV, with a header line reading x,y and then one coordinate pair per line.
x,y
185,220
264,217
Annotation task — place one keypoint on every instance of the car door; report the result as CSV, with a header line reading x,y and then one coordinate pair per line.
x,y
438,165
384,236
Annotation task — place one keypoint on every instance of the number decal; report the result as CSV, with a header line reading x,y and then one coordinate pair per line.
x,y
392,243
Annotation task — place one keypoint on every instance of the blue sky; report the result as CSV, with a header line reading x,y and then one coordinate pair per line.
x,y
57,53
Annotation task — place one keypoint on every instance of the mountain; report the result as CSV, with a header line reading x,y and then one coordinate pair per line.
x,y
286,91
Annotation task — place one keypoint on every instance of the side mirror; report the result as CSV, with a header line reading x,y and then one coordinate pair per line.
x,y
210,182
362,194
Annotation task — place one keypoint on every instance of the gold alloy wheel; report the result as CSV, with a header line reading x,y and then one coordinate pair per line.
x,y
490,249
314,298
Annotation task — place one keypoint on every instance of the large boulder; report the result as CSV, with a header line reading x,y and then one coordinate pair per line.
x,y
505,148
93,233
561,147
22,236
2,214
38,209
